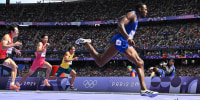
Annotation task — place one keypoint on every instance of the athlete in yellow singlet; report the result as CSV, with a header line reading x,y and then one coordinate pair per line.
x,y
65,66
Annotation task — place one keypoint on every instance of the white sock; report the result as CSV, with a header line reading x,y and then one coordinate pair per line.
x,y
12,83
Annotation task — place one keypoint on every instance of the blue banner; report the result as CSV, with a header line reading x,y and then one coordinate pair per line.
x,y
102,22
111,84
92,83
116,58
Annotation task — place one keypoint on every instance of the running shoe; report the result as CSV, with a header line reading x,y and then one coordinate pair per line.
x,y
13,87
148,93
46,83
73,88
82,41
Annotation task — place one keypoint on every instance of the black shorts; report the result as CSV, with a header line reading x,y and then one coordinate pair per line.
x,y
2,60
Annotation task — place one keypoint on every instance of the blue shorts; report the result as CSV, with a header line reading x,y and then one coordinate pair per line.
x,y
62,70
121,43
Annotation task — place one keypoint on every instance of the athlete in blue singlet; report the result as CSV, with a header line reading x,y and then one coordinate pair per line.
x,y
123,42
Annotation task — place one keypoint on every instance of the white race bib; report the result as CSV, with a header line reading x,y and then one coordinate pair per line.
x,y
43,54
9,51
70,63
118,43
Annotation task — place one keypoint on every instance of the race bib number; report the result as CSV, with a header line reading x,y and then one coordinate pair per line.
x,y
43,54
118,43
9,51
70,63
131,34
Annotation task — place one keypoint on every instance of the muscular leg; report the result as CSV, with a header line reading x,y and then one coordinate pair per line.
x,y
108,54
26,75
11,64
133,57
73,74
49,68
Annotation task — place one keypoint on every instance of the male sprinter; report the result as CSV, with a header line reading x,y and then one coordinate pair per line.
x,y
6,47
39,61
123,42
65,66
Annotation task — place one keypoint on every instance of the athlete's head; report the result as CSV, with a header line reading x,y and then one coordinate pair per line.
x,y
141,9
71,49
155,69
129,68
171,62
151,69
13,29
44,38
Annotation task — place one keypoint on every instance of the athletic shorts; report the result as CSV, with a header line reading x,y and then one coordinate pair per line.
x,y
37,64
2,60
62,70
121,43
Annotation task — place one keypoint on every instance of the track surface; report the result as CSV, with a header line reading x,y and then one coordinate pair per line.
x,y
69,95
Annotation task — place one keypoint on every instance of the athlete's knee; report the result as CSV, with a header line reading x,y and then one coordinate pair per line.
x,y
140,63
99,61
99,56
13,67
100,64
50,66
73,73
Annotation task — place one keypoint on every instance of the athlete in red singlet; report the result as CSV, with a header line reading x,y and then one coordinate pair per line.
x,y
39,61
6,47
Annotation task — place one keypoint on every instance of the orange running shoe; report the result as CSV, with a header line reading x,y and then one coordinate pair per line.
x,y
13,87
46,83
18,85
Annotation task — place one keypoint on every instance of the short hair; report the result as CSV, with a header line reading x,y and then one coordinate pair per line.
x,y
43,35
154,69
70,47
11,27
139,5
